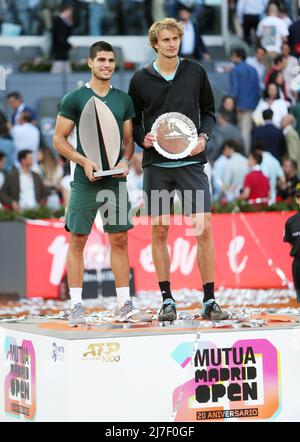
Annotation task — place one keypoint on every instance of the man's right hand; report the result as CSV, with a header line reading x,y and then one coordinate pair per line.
x,y
15,206
89,168
148,140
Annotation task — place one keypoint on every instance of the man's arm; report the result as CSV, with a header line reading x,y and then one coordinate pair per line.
x,y
138,127
63,129
234,86
128,147
245,193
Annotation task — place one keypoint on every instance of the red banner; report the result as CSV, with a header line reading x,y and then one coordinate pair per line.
x,y
249,253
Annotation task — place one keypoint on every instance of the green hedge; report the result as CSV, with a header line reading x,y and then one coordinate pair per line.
x,y
46,213
41,213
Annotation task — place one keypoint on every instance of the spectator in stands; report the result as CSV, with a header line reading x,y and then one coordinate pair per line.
x,y
7,145
223,131
235,172
258,63
295,110
16,103
270,100
278,79
2,164
192,45
22,13
279,64
294,38
61,31
26,135
271,135
35,18
219,167
246,90
228,105
284,15
290,70
96,14
23,189
51,173
291,179
272,32
256,187
271,167
249,13
291,138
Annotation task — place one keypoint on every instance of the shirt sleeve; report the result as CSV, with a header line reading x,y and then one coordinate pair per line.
x,y
138,127
287,234
247,181
68,107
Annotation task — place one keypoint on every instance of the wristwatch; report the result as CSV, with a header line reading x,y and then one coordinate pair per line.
x,y
204,135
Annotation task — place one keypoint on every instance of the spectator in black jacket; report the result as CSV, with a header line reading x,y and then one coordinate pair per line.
x,y
192,44
23,188
270,135
61,31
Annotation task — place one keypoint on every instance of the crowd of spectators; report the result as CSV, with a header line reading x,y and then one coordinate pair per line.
x,y
97,17
31,174
254,151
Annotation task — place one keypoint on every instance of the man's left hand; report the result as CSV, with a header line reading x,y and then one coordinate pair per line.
x,y
200,146
122,165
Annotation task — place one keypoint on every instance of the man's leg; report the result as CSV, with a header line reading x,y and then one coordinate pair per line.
x,y
206,265
119,258
205,247
119,262
161,260
245,126
75,268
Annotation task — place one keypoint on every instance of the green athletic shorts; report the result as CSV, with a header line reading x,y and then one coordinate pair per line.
x,y
109,195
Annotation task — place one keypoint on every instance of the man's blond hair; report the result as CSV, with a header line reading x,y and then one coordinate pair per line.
x,y
167,23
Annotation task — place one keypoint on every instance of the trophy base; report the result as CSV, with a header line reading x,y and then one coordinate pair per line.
x,y
108,172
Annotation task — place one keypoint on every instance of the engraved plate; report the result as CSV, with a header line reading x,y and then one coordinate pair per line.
x,y
176,135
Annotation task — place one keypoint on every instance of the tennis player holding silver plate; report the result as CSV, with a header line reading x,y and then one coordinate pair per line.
x,y
175,135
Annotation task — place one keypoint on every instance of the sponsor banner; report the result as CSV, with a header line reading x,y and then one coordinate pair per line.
x,y
249,253
20,380
238,382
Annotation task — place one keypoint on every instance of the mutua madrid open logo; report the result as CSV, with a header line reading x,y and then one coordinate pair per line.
x,y
20,382
238,382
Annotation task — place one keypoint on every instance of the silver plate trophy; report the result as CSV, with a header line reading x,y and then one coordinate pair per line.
x,y
98,127
175,135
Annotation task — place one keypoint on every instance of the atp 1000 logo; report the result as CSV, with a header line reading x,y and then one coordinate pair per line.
x,y
105,352
235,382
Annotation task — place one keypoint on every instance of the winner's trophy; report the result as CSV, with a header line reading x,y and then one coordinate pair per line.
x,y
100,137
175,135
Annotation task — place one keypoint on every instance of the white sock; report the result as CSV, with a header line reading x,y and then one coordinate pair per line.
x,y
75,295
123,295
